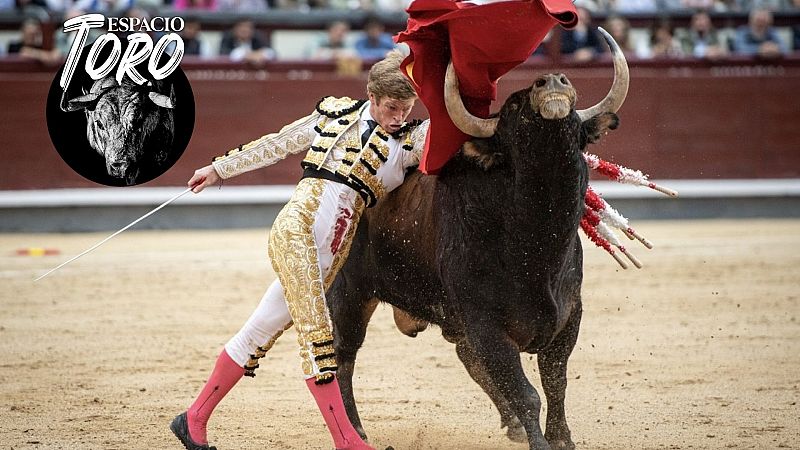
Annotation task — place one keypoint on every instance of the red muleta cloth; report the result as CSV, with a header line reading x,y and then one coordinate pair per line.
x,y
485,42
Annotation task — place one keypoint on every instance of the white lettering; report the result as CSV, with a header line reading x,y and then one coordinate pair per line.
x,y
174,59
113,23
94,53
139,47
82,24
136,24
176,24
154,27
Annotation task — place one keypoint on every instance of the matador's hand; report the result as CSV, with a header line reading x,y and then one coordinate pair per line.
x,y
203,178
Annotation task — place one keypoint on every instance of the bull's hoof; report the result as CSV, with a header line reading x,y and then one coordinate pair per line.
x,y
517,434
560,440
561,444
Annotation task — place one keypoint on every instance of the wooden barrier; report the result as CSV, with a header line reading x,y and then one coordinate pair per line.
x,y
682,119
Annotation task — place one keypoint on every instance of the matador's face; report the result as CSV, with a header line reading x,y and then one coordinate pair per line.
x,y
390,113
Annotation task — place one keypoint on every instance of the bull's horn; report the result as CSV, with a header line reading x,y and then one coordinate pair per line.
x,y
80,102
64,104
619,89
84,101
463,119
161,100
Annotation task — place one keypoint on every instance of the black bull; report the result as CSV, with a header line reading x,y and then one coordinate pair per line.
x,y
489,252
132,127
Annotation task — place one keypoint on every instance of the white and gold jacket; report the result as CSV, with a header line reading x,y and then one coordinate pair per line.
x,y
332,137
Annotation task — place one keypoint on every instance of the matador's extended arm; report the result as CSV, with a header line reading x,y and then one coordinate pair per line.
x,y
269,149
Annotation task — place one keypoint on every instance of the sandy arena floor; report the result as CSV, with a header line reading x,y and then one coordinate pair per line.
x,y
700,349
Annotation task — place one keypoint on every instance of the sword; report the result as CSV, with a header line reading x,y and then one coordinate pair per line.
x,y
118,232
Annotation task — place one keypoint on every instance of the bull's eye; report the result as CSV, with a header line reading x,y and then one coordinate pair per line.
x,y
99,125
564,81
540,82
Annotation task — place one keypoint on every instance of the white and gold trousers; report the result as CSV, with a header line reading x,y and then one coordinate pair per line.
x,y
308,244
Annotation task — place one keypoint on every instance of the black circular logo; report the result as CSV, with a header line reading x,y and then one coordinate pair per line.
x,y
115,131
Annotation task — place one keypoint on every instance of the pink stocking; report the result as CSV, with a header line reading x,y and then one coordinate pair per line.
x,y
225,375
329,401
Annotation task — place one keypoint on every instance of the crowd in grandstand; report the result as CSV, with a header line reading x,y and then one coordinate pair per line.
x,y
702,38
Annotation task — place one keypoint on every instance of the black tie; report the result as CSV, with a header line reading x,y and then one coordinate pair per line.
x,y
371,124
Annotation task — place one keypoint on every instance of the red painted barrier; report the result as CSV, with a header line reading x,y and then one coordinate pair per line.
x,y
682,119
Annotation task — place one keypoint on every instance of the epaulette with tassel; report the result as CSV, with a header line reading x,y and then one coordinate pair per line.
x,y
335,107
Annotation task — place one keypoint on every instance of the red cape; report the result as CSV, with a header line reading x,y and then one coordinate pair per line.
x,y
484,42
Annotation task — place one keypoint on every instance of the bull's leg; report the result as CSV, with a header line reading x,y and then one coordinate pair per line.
x,y
478,373
553,372
350,314
500,356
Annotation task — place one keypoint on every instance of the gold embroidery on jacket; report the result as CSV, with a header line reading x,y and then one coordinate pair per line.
x,y
329,131
267,149
359,164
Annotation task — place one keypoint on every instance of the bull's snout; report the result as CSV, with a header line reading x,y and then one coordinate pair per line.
x,y
553,96
124,170
552,82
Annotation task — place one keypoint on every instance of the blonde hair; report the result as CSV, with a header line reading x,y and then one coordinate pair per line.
x,y
386,79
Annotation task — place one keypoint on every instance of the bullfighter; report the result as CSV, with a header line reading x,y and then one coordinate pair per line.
x,y
357,151
311,236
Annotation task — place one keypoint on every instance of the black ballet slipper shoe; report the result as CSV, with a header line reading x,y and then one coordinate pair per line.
x,y
180,428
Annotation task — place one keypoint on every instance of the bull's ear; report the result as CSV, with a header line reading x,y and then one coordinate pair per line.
x,y
480,152
162,100
595,127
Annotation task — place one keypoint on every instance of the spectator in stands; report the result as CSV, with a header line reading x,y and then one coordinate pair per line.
x,y
64,40
388,5
60,5
662,41
698,5
758,37
104,6
772,5
795,28
29,44
242,6
192,44
594,6
195,5
333,45
29,8
244,43
702,40
633,6
796,37
582,42
301,5
376,42
619,28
